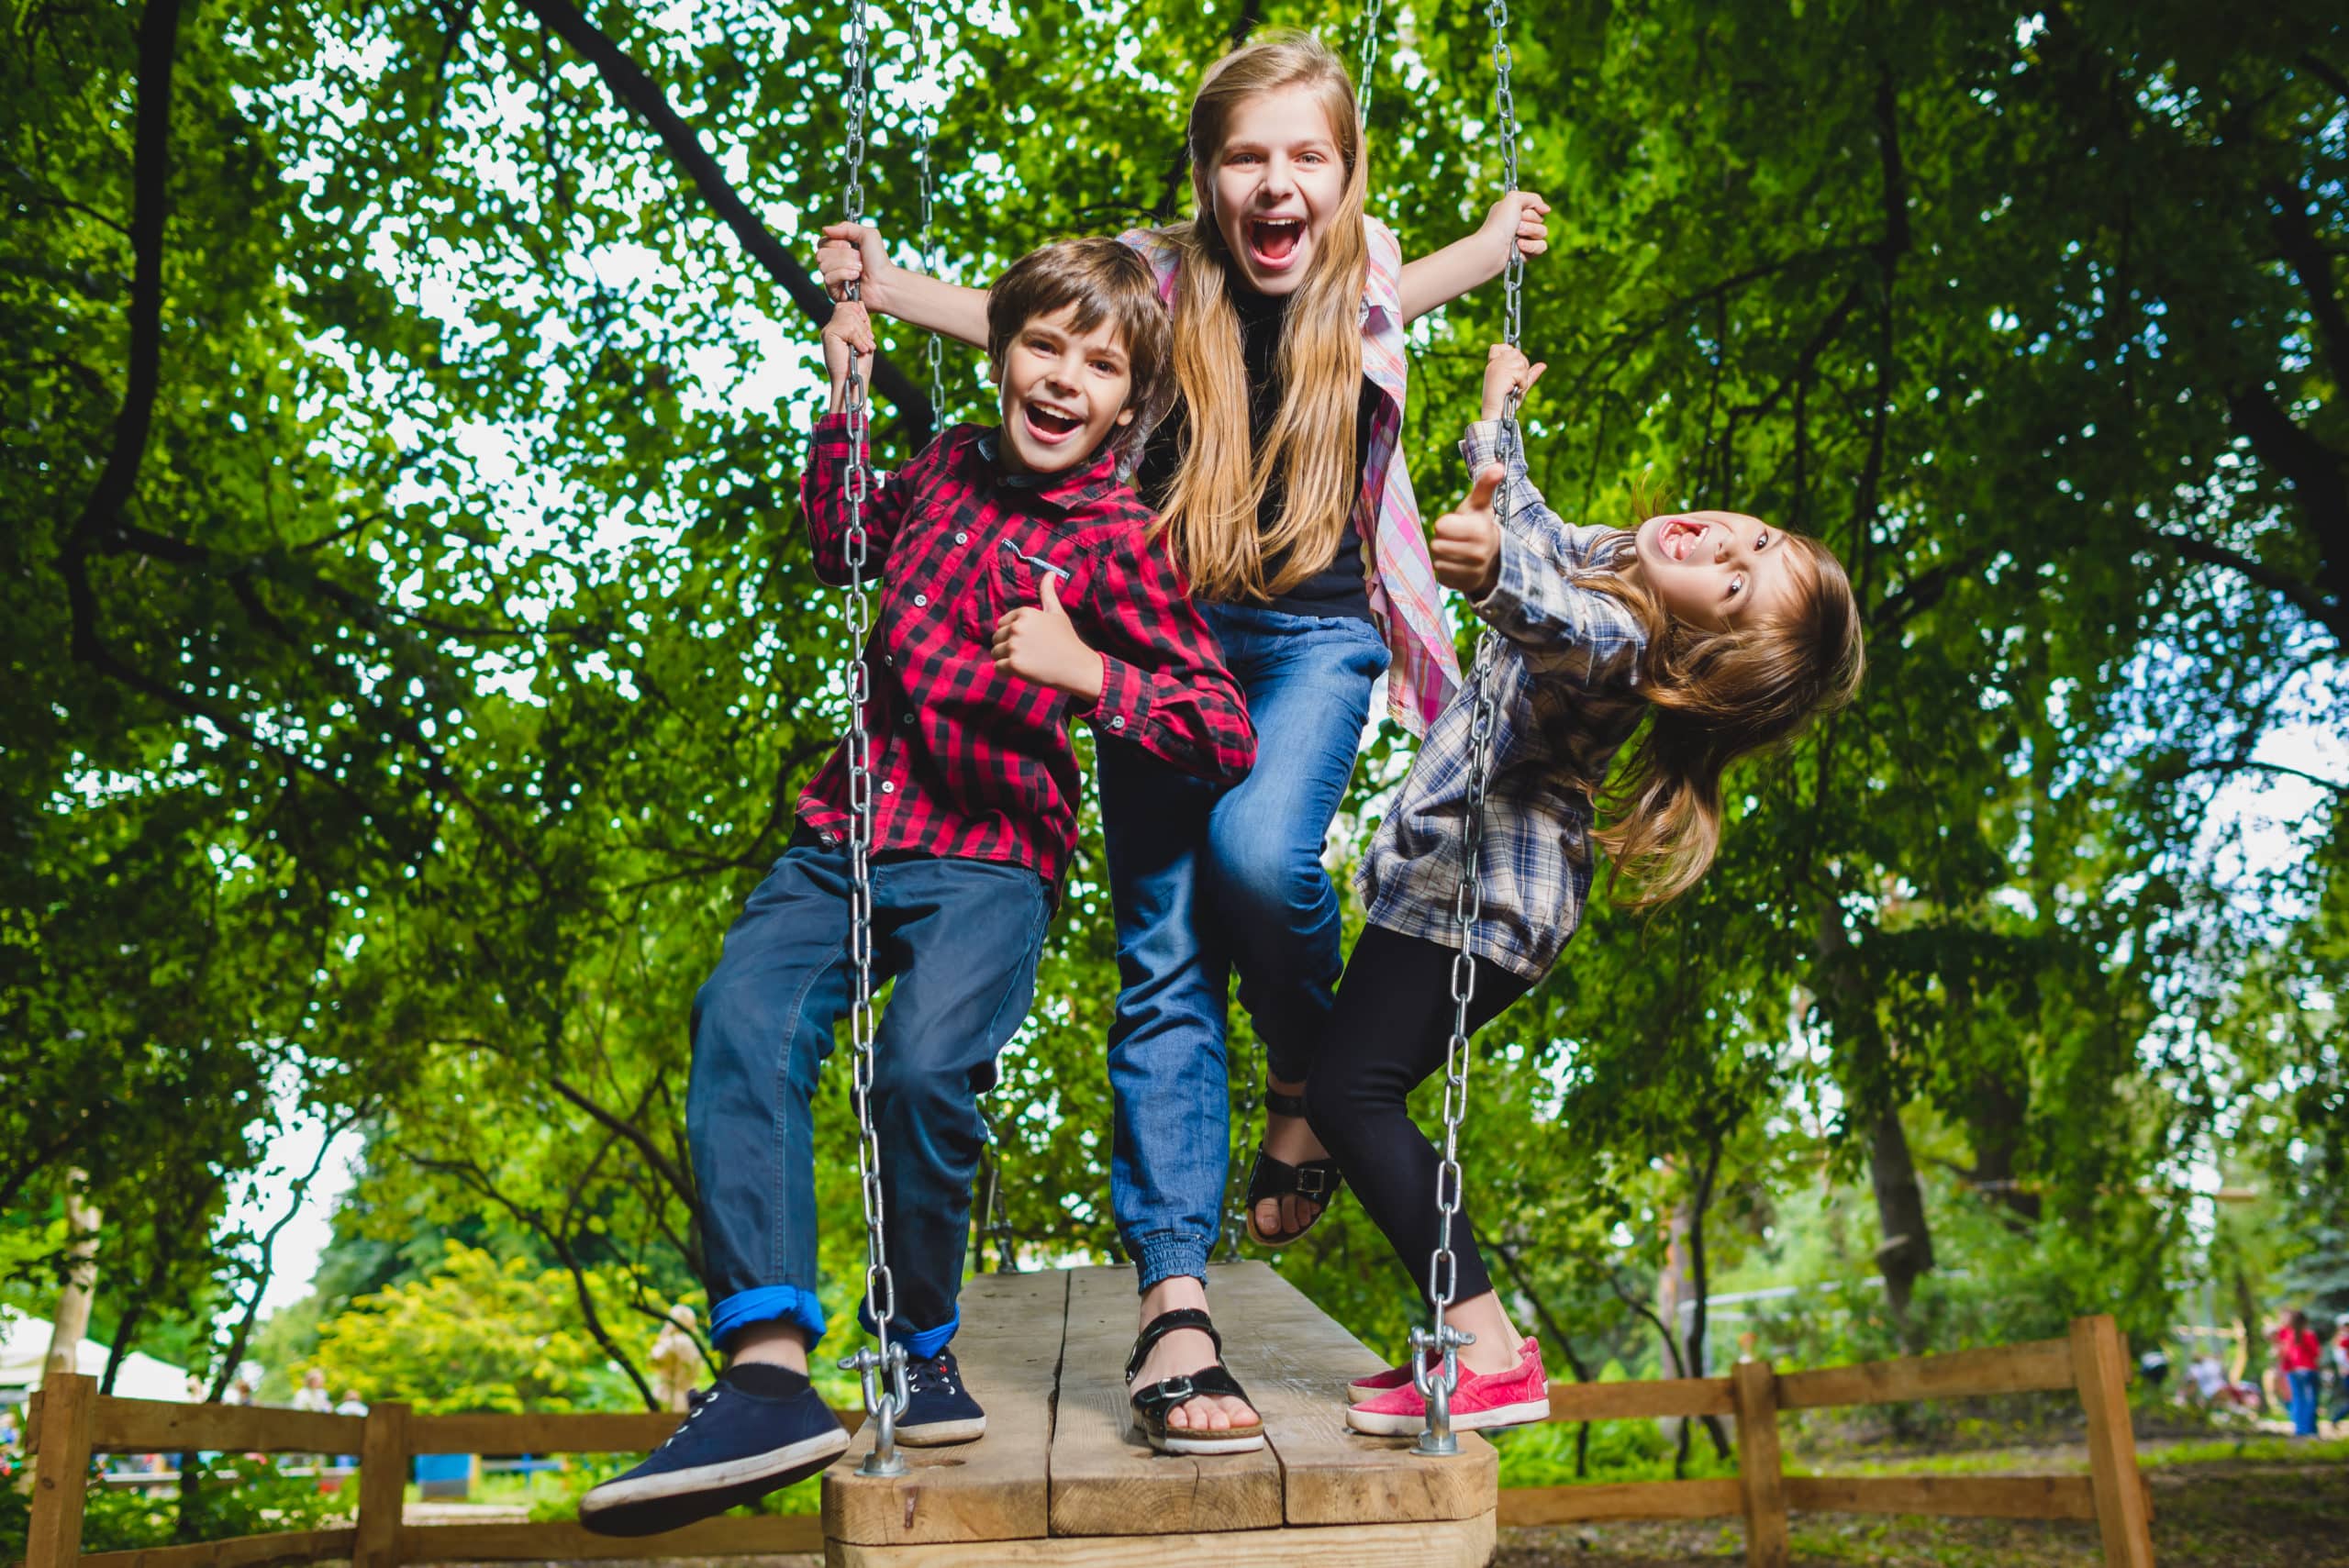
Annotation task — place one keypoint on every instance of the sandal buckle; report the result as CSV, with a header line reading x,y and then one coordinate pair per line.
x,y
1167,1392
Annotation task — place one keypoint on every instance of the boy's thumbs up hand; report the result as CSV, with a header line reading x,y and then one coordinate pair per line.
x,y
1039,642
1467,546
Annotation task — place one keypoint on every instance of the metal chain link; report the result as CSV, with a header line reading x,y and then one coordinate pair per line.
x,y
882,1360
929,72
1369,59
1436,1385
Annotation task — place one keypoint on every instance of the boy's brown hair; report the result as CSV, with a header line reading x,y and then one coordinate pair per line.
x,y
1104,280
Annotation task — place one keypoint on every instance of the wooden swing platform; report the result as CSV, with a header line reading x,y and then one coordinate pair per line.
x,y
1063,1479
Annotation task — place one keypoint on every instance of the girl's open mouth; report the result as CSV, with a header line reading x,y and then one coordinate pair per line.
x,y
1275,241
1679,537
1050,425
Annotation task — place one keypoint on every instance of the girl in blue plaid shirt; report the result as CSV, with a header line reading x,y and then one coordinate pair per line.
x,y
1685,643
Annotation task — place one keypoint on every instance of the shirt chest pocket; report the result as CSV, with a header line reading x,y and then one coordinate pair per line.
x,y
1017,562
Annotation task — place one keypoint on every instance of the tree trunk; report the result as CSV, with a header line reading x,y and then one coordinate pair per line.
x,y
1996,1128
1908,1248
73,1324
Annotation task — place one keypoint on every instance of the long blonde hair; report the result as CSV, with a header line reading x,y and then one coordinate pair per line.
x,y
1220,477
1715,696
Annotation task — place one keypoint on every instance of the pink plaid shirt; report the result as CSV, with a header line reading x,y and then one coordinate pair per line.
x,y
1404,597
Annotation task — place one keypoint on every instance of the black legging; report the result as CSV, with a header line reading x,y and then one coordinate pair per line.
x,y
1387,1035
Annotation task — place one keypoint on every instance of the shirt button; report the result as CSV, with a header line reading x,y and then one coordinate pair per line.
x,y
888,787
920,600
961,538
905,718
1119,722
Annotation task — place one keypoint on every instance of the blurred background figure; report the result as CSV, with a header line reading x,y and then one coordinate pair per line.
x,y
676,1362
2298,1357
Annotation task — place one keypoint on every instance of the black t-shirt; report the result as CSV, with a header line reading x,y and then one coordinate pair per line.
x,y
1337,589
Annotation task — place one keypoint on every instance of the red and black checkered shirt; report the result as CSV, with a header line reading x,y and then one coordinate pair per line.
x,y
969,761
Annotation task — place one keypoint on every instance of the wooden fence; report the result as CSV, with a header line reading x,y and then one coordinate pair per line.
x,y
73,1421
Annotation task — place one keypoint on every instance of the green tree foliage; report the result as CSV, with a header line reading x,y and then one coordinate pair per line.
x,y
413,655
475,1334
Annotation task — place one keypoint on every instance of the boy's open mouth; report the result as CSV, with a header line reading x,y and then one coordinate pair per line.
x,y
1274,241
1051,425
1679,537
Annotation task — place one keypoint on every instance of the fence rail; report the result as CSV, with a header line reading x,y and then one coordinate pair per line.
x,y
71,1421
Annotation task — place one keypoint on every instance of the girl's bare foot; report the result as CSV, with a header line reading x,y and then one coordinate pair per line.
x,y
1187,1350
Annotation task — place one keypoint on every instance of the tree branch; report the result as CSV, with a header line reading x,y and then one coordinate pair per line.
x,y
630,86
2303,598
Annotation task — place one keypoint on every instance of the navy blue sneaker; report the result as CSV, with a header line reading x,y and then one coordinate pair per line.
x,y
938,1406
733,1446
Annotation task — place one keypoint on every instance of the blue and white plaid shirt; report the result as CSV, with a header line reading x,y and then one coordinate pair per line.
x,y
1564,684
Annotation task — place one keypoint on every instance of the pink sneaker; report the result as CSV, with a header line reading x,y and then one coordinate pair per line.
x,y
1399,1376
1510,1398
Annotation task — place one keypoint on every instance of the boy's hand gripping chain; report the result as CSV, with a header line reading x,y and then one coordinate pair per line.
x,y
887,1361
1436,1385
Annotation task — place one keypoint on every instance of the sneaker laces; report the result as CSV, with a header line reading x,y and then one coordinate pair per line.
x,y
696,1401
937,1370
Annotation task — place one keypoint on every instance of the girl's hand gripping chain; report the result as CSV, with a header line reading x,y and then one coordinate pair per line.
x,y
1467,545
1507,372
848,340
1039,642
1521,216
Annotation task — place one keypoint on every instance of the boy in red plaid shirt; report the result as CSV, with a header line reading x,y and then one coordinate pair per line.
x,y
1020,586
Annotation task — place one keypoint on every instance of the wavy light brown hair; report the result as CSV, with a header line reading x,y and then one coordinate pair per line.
x,y
1714,697
1104,281
1220,477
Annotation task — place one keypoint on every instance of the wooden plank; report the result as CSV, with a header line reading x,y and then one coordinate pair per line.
x,y
2123,1512
563,1541
236,1552
1296,1364
1010,1351
1620,1500
1105,1479
382,1484
160,1426
2000,1368
628,1432
1761,1475
1651,1399
62,1472
1960,1497
1437,1543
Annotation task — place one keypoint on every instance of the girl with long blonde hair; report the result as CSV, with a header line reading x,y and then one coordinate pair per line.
x,y
1660,654
1284,501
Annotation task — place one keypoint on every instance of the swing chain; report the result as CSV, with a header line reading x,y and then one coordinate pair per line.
x,y
925,41
1436,1385
1369,59
887,1361
1504,117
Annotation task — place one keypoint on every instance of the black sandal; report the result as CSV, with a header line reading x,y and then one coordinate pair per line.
x,y
1317,1180
1153,1402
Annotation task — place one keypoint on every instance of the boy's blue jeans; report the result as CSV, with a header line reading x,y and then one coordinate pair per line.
x,y
1203,882
960,938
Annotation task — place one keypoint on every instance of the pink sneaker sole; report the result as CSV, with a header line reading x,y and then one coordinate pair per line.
x,y
1381,1424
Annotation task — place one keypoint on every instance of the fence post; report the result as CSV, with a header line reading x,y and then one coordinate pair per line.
x,y
382,1485
1761,1478
2124,1517
61,1474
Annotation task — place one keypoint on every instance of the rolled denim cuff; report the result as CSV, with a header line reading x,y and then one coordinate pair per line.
x,y
1167,1256
767,1304
921,1343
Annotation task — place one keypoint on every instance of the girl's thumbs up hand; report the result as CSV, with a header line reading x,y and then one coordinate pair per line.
x,y
1039,642
1467,546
